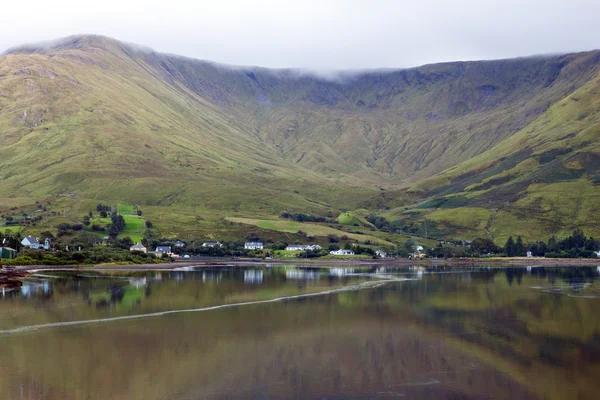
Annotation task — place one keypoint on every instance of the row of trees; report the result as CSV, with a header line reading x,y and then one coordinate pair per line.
x,y
577,245
301,217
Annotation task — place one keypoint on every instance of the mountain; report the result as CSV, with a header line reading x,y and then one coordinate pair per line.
x,y
470,148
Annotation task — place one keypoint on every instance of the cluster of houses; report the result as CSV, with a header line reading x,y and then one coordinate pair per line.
x,y
35,243
160,250
29,242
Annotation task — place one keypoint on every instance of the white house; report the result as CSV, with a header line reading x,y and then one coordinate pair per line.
x,y
597,253
253,245
342,252
419,249
293,247
529,254
381,254
47,244
212,244
138,247
31,242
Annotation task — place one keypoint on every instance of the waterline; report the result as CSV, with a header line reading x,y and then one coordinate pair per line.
x,y
364,285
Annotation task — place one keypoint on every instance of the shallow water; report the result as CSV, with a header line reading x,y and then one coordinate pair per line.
x,y
302,333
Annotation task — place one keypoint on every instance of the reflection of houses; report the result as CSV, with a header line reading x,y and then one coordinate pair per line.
x,y
31,242
293,247
381,254
7,252
253,276
138,247
340,271
301,274
253,245
342,252
212,244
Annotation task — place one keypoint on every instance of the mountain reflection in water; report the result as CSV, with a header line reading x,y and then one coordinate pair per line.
x,y
425,333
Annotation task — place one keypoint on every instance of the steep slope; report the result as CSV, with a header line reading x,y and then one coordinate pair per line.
x,y
89,118
543,180
390,125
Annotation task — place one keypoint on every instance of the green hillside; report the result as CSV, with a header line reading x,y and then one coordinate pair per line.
x,y
455,149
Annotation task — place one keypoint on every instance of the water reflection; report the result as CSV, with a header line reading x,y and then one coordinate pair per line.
x,y
253,276
466,332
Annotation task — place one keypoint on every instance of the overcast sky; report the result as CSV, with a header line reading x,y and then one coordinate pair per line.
x,y
317,34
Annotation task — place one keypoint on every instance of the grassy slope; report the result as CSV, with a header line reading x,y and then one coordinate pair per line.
x,y
324,230
541,181
191,142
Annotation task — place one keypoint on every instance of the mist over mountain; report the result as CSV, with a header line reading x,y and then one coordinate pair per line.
x,y
473,148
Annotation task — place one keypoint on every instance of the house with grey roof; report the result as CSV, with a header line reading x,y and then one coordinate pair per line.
x,y
31,242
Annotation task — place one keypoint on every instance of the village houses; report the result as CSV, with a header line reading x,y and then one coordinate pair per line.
x,y
212,244
341,252
253,245
138,247
295,247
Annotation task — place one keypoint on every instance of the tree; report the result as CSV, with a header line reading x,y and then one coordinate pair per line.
x,y
509,247
484,246
519,248
148,224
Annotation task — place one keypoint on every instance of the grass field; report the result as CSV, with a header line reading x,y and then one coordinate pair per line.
x,y
15,228
126,209
311,229
284,226
134,228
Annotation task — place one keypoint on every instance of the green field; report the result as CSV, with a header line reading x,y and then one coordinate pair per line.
x,y
126,209
324,231
15,228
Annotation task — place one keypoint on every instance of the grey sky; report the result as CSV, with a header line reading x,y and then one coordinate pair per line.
x,y
317,34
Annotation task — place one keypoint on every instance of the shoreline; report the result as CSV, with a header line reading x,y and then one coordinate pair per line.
x,y
224,263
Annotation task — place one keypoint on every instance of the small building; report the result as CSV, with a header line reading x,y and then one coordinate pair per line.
x,y
7,252
381,254
253,245
341,252
212,244
138,247
47,244
163,249
597,253
179,243
296,247
419,249
31,242
303,247
529,254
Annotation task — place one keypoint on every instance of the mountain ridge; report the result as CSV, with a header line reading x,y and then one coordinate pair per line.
x,y
403,130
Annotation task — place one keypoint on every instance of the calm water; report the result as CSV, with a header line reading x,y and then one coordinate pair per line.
x,y
303,333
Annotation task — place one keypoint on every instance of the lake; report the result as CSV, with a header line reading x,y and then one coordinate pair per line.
x,y
288,332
